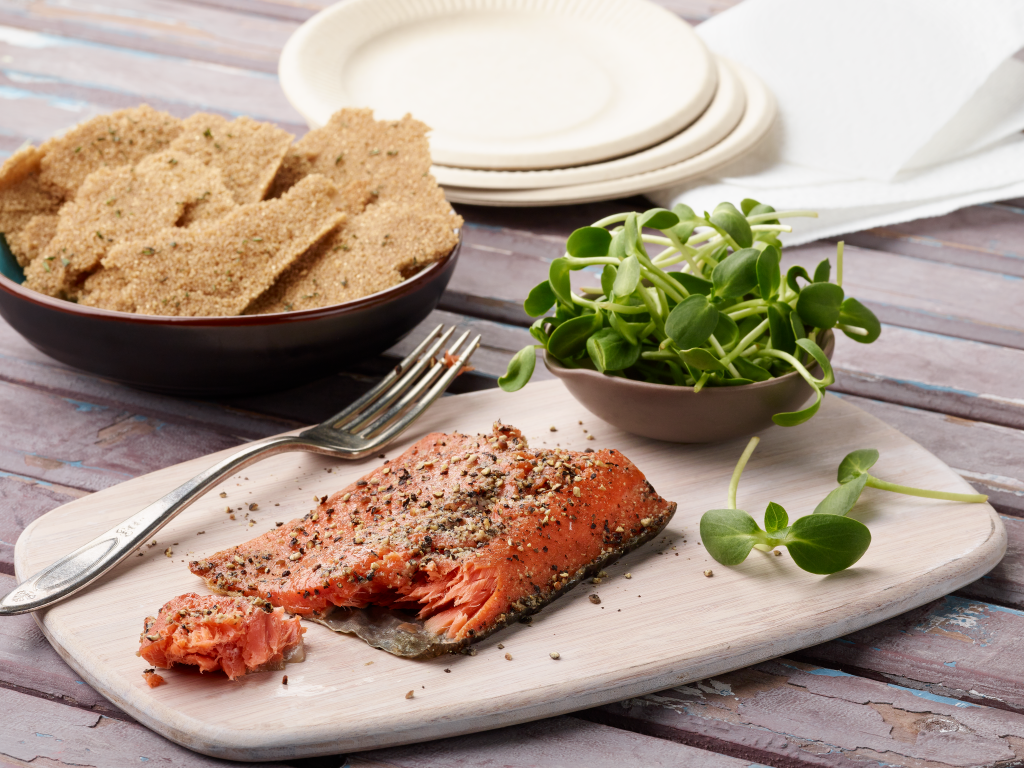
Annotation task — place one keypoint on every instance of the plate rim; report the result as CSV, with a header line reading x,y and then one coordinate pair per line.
x,y
301,93
752,128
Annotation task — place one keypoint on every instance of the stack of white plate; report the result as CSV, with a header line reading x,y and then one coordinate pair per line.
x,y
534,102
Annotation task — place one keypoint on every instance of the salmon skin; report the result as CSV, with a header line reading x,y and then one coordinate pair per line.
x,y
471,533
233,634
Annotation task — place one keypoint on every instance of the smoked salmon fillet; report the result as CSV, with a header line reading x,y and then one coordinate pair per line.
x,y
469,532
233,634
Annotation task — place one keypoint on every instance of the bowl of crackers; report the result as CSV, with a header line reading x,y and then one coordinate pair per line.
x,y
208,256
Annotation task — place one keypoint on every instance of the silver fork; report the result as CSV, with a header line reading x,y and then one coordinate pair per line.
x,y
371,422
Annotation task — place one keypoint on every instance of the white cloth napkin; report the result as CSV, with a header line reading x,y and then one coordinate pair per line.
x,y
888,111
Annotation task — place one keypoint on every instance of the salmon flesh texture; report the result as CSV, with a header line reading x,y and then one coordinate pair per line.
x,y
469,532
233,634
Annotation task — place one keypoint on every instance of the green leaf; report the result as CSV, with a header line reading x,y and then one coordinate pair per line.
x,y
731,221
611,352
751,370
589,242
565,312
726,330
775,518
827,543
793,273
685,213
797,324
659,218
627,278
571,336
820,303
728,535
608,279
736,274
631,236
691,321
747,205
853,313
692,283
617,250
538,331
793,418
734,382
779,327
823,271
629,331
855,464
540,300
520,369
841,500
701,359
769,276
558,279
816,352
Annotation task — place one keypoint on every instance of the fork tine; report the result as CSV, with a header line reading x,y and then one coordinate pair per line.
x,y
375,420
410,416
396,374
413,376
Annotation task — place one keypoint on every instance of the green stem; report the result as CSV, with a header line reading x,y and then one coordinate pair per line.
x,y
734,483
592,261
781,215
974,498
747,312
746,341
721,354
615,218
701,382
608,306
815,383
653,310
839,265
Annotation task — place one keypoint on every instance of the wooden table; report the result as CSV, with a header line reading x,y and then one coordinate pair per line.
x,y
942,685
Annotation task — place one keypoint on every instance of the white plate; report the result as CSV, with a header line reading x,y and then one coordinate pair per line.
x,y
716,122
757,119
506,84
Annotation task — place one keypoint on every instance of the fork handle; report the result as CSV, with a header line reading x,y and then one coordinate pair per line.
x,y
90,561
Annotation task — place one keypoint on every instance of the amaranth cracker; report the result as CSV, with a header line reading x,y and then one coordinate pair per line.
x,y
22,199
108,141
217,267
248,153
375,250
125,203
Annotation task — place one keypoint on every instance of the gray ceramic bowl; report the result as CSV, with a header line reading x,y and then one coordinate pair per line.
x,y
679,415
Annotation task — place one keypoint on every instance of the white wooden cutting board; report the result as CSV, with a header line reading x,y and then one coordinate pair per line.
x,y
666,625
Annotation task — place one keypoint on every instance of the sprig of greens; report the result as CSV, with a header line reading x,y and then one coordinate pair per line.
x,y
823,542
726,317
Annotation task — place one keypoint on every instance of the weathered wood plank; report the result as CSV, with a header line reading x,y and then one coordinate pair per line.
x,y
40,732
565,742
236,38
89,446
141,75
941,298
22,500
1004,584
982,237
789,713
939,373
986,455
958,647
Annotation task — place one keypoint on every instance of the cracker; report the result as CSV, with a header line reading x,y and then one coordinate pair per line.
x,y
392,155
376,250
121,204
29,241
247,153
108,141
217,267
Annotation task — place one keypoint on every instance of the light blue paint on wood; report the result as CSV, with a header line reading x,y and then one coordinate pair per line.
x,y
935,697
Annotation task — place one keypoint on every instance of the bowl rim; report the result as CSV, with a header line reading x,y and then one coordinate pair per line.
x,y
374,299
553,365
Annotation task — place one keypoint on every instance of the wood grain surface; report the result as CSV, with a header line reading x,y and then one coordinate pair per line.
x,y
945,372
681,626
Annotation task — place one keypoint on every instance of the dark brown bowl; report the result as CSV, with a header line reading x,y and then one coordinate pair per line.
x,y
678,414
216,356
